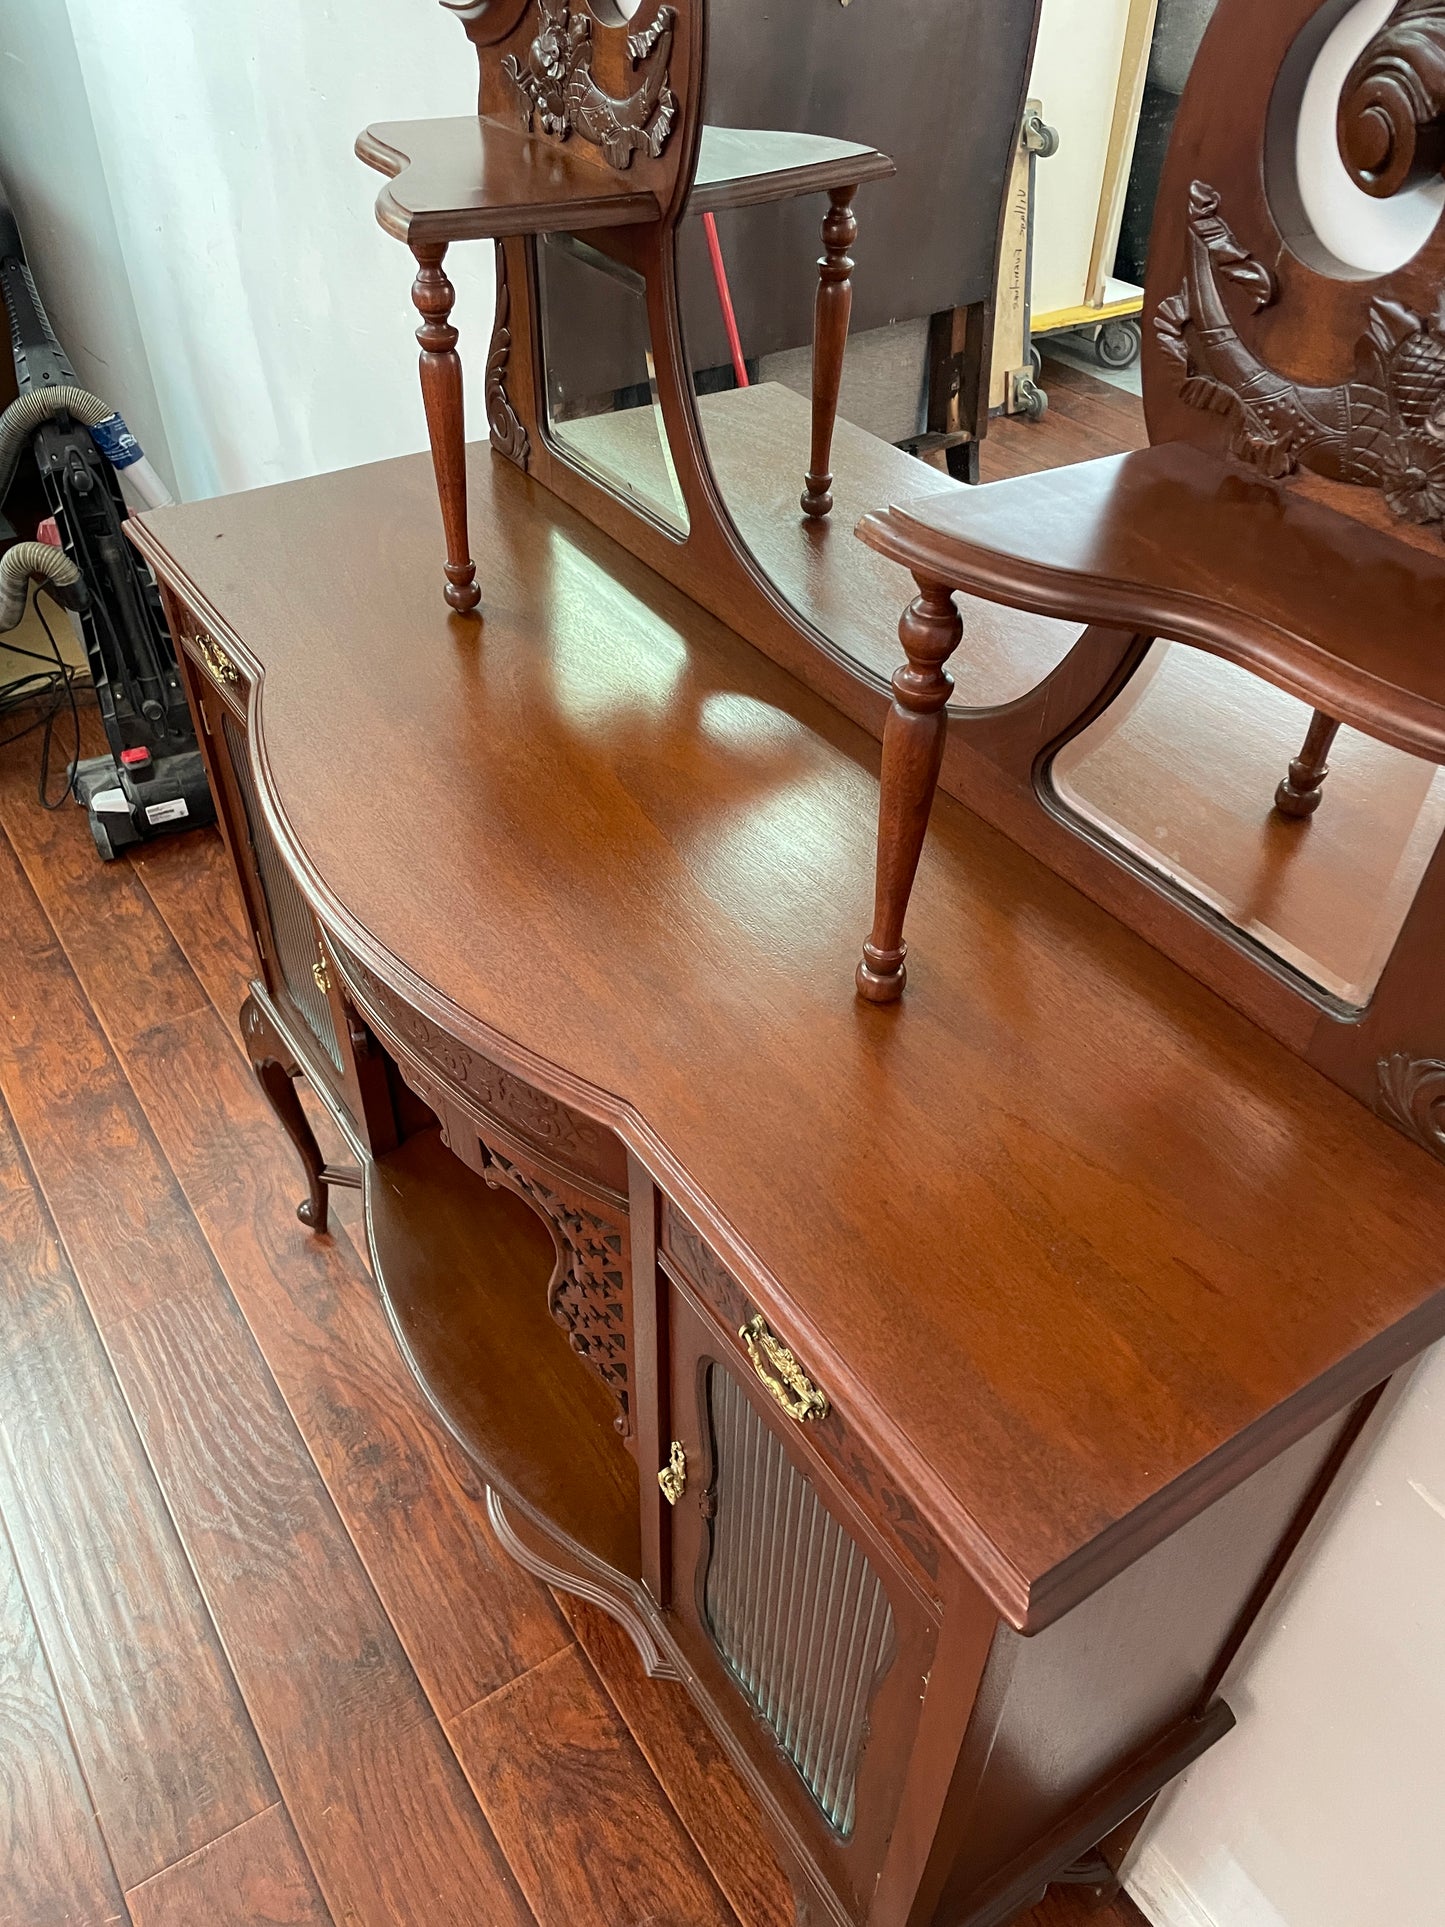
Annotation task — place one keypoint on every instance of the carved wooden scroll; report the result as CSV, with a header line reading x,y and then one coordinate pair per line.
x,y
1384,429
554,85
1391,118
509,437
1412,1096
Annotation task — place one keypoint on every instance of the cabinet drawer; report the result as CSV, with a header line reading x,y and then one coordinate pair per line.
x,y
828,1433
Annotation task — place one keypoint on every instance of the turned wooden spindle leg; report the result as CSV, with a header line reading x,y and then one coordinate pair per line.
x,y
1299,793
912,753
830,337
441,393
276,1072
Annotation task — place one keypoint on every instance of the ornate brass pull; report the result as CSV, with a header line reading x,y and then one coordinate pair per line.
x,y
673,1476
784,1377
321,974
215,658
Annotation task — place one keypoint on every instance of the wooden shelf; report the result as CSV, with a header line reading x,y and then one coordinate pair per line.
x,y
466,179
745,166
464,1271
1174,542
463,178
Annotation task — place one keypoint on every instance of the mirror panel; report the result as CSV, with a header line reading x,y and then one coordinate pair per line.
x,y
923,94
1181,771
601,384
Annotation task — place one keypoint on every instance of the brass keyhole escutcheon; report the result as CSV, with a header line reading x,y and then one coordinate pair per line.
x,y
673,1476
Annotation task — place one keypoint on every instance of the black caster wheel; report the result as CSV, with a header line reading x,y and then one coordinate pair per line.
x,y
1032,403
1117,344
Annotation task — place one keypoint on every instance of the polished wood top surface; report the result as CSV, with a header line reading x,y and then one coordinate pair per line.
x,y
1077,1243
1175,541
462,178
744,166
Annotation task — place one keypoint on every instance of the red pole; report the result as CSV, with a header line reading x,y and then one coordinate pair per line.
x,y
725,300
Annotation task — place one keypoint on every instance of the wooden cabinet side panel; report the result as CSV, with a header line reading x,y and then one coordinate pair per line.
x,y
1061,1712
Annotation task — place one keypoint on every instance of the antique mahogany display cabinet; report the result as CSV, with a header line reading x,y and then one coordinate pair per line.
x,y
937,1389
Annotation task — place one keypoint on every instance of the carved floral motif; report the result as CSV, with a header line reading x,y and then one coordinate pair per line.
x,y
1412,1096
588,1298
555,88
1384,429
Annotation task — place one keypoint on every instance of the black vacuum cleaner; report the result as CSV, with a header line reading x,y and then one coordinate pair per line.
x,y
152,782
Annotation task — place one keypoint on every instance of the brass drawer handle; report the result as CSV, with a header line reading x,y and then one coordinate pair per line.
x,y
215,658
784,1377
673,1476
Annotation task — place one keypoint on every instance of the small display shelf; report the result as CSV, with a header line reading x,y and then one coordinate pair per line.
x,y
464,1270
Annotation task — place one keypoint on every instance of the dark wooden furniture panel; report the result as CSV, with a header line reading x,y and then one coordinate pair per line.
x,y
1074,1729
687,1259
293,1018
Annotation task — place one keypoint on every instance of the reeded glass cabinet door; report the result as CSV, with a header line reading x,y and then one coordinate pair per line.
x,y
799,1621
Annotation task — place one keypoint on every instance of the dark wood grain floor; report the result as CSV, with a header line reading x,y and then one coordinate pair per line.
x,y
260,1660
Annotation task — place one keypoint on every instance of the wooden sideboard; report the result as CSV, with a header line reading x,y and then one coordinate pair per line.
x,y
935,1390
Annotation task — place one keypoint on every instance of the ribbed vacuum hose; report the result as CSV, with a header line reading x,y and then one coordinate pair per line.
x,y
47,565
37,405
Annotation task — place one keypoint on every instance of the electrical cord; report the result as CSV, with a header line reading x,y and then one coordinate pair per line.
x,y
54,687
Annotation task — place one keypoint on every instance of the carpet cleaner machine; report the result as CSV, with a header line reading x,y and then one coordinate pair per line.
x,y
152,780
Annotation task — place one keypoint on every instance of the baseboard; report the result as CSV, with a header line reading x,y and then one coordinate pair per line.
x,y
1161,1895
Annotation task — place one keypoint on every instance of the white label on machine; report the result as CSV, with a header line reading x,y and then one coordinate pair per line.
x,y
110,802
166,812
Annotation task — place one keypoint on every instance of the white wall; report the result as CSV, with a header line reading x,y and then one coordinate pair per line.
x,y
1326,1806
53,173
275,314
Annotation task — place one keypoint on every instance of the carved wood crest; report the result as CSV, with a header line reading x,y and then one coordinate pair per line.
x,y
588,1297
1383,429
556,90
